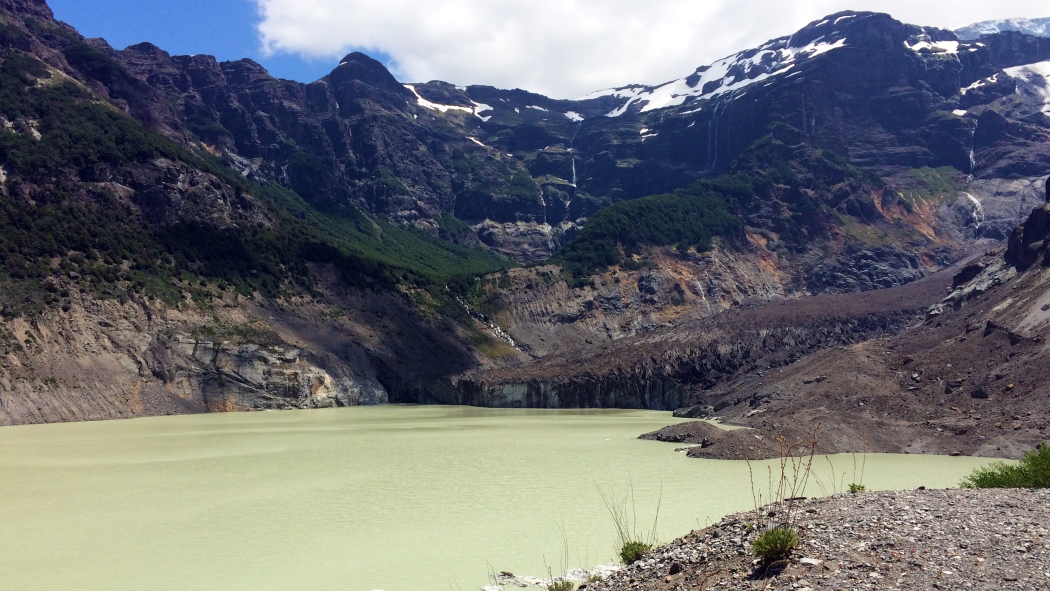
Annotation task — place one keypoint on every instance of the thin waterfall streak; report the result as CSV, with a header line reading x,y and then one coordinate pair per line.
x,y
973,158
572,152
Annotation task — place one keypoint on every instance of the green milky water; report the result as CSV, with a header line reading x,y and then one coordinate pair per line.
x,y
395,498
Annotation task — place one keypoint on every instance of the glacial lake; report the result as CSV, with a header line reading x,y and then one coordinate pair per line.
x,y
397,498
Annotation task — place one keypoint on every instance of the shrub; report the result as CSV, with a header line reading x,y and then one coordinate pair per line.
x,y
632,551
776,543
1033,471
559,585
856,488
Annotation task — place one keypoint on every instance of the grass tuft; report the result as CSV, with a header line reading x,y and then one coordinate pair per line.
x,y
774,544
559,585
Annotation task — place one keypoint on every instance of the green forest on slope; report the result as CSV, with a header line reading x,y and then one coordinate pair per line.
x,y
790,191
53,223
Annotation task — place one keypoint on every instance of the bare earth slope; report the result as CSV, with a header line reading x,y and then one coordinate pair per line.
x,y
971,378
904,370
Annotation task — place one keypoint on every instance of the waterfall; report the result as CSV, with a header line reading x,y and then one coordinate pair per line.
x,y
700,288
977,216
546,226
973,159
712,141
572,152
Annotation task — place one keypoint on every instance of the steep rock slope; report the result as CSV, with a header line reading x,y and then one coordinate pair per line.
x,y
660,367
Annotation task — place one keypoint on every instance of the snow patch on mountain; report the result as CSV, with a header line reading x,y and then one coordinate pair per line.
x,y
477,109
574,116
726,75
982,82
1033,81
1039,27
934,46
422,102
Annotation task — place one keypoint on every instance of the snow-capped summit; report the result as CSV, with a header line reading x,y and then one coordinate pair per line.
x,y
1039,27
737,71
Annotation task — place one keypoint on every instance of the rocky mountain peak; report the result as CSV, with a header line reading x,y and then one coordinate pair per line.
x,y
830,26
147,49
244,71
360,67
37,8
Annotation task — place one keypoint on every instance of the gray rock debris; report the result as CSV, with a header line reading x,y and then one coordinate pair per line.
x,y
950,539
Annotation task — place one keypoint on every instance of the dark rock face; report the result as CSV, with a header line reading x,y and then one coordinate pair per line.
x,y
866,269
360,67
1030,242
1011,148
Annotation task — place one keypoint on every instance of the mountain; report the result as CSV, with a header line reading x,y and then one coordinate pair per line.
x,y
1037,27
144,275
182,234
524,171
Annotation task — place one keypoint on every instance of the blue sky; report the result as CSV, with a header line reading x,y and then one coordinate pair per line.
x,y
223,28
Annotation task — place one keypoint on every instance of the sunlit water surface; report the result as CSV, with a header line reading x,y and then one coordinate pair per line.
x,y
395,498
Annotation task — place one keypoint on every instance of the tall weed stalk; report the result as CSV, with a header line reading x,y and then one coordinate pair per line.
x,y
624,513
775,508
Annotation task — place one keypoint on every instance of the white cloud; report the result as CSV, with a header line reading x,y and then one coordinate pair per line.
x,y
567,48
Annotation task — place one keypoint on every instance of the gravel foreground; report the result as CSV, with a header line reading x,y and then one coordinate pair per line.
x,y
909,540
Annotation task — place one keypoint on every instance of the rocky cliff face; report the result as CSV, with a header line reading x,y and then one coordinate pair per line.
x,y
103,359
